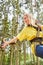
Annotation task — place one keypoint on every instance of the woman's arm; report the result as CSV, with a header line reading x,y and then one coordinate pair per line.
x,y
5,43
37,23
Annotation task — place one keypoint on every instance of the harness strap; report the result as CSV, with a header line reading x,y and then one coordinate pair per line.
x,y
35,27
37,39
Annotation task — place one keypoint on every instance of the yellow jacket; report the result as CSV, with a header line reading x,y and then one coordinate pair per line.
x,y
29,33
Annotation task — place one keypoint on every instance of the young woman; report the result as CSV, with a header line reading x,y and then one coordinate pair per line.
x,y
29,31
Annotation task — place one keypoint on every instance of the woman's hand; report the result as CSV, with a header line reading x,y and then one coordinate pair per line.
x,y
5,43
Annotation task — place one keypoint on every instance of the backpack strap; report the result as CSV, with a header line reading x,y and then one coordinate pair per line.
x,y
35,27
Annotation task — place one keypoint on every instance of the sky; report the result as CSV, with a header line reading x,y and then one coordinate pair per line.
x,y
10,16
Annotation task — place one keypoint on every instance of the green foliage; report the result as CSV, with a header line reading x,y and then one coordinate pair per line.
x,y
11,28
5,27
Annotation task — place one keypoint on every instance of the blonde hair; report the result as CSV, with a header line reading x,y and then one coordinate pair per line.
x,y
31,18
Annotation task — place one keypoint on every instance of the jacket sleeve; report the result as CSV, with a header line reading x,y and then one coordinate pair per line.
x,y
22,35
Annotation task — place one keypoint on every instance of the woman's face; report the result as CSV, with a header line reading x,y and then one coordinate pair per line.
x,y
26,19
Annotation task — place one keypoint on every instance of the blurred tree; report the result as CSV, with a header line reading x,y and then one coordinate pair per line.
x,y
8,26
